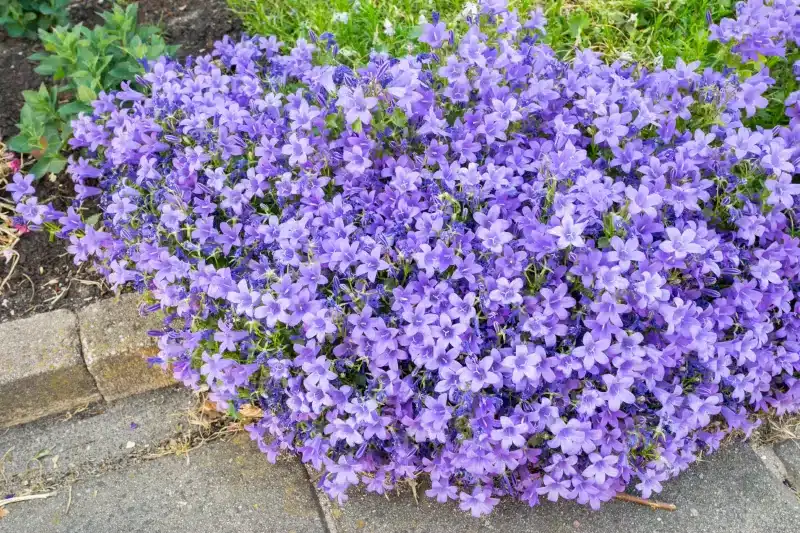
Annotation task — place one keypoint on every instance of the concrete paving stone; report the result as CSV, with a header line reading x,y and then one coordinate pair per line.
x,y
730,492
41,368
789,453
116,347
224,487
41,452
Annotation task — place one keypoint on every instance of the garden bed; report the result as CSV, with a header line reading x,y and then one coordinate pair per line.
x,y
44,270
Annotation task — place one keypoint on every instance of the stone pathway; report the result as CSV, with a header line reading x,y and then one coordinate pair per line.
x,y
61,360
97,462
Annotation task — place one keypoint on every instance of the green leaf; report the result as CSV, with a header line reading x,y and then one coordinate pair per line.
x,y
39,169
125,71
19,144
57,164
415,33
577,23
398,118
86,93
50,66
92,219
41,454
73,108
49,163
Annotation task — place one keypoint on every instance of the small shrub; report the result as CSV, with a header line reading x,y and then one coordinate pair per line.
x,y
22,18
83,63
522,276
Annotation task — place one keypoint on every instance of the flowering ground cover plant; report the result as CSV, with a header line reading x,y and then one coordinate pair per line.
x,y
764,35
520,276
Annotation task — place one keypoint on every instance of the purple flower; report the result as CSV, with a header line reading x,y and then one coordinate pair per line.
x,y
21,186
516,274
495,236
433,34
510,433
478,374
617,391
479,502
569,233
214,366
680,243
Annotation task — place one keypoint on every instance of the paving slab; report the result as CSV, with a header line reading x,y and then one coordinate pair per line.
x,y
41,368
224,487
730,492
42,452
789,453
116,347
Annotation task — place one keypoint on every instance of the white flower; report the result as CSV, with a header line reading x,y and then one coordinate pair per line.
x,y
470,9
341,16
388,28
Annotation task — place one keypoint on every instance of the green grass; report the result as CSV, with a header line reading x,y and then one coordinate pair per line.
x,y
649,31
363,31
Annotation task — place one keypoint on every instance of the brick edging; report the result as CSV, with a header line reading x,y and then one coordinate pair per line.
x,y
62,360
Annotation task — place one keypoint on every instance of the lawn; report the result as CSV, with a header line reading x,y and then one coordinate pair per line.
x,y
650,31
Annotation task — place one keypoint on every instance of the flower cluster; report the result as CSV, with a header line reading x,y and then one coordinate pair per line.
x,y
519,275
762,33
761,28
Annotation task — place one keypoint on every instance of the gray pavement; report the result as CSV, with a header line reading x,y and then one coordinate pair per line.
x,y
101,437
789,454
100,464
731,492
225,486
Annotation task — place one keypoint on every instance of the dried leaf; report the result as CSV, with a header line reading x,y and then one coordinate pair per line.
x,y
41,454
251,411
3,512
209,410
38,153
151,351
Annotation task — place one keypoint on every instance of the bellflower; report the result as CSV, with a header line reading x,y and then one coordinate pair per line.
x,y
519,275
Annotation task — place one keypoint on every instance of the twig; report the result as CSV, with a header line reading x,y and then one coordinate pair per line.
x,y
69,500
28,497
3,465
52,301
11,271
33,286
641,501
98,284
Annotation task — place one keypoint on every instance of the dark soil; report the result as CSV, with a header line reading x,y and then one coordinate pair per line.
x,y
18,75
192,24
45,277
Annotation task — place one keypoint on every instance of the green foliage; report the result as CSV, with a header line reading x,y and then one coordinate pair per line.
x,y
649,31
21,18
385,25
82,63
